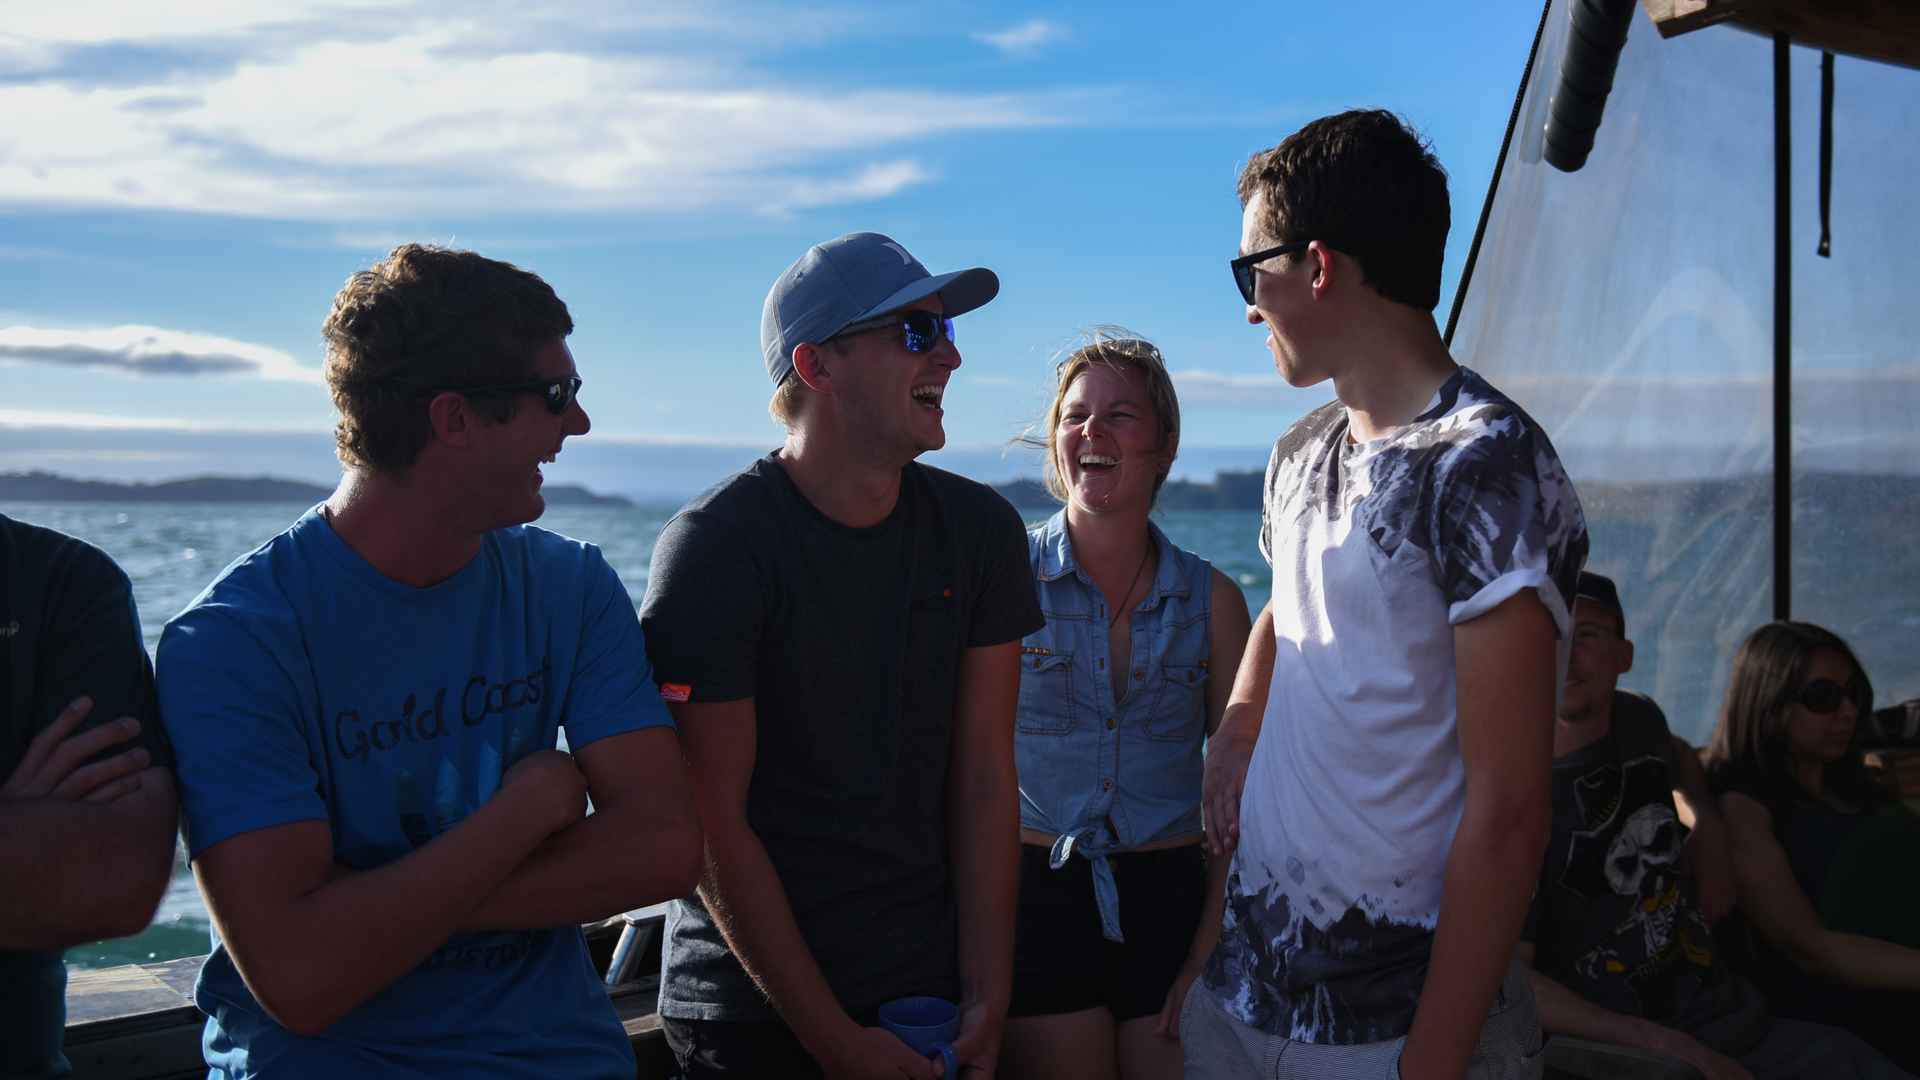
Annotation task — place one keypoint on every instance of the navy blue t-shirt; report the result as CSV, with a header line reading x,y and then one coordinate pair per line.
x,y
849,641
67,628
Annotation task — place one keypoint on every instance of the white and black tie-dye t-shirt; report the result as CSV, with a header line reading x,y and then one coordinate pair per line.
x,y
1356,786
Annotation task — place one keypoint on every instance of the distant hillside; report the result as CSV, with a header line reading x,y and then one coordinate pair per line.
x,y
1230,490
49,487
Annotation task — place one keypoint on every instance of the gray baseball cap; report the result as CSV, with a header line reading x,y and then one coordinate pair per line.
x,y
850,278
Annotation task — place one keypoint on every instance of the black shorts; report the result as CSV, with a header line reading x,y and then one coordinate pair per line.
x,y
1061,961
713,1049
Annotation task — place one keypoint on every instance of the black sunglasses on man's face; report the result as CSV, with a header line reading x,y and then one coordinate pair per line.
x,y
1243,266
555,394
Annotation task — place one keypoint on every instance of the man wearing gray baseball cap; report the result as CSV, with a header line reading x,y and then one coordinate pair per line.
x,y
837,631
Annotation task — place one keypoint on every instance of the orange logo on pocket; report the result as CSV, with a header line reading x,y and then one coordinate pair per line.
x,y
678,693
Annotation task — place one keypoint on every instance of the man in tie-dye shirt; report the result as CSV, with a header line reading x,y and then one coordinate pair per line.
x,y
1392,723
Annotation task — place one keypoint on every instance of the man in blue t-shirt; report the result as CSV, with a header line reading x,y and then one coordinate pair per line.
x,y
365,712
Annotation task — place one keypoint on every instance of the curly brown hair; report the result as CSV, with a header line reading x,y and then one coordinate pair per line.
x,y
421,319
1366,185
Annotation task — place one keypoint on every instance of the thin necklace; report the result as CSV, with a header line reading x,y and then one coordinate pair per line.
x,y
1114,619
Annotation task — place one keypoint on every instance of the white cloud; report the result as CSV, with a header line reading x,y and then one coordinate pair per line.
x,y
68,420
1024,39
376,109
1256,391
150,350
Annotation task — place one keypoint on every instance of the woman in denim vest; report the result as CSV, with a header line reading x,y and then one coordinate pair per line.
x,y
1118,907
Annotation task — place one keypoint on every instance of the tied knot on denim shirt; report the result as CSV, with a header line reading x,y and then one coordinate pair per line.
x,y
1106,892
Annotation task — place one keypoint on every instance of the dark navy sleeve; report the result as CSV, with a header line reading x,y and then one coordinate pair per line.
x,y
703,613
1007,607
93,648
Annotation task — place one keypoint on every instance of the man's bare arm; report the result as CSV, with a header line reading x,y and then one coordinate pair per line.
x,y
641,844
1563,1012
1227,633
749,905
313,943
1230,743
1504,664
1771,898
983,822
86,834
1709,847
79,871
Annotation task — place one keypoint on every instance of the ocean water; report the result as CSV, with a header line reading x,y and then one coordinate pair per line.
x,y
171,552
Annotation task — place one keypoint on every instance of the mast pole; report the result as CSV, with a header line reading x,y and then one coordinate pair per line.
x,y
1782,331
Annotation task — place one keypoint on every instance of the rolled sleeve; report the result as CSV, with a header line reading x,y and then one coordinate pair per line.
x,y
1506,519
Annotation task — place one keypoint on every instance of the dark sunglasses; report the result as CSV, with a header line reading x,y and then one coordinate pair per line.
x,y
556,394
921,331
1823,696
1243,266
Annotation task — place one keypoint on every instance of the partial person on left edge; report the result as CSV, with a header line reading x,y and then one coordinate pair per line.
x,y
87,803
366,712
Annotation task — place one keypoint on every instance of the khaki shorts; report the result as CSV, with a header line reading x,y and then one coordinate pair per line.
x,y
1218,1047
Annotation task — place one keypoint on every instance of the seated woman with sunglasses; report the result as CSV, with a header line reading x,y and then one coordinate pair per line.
x,y
1117,693
1827,866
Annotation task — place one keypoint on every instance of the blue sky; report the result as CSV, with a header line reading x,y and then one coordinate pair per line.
x,y
181,193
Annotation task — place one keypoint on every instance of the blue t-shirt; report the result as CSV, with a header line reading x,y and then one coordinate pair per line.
x,y
304,685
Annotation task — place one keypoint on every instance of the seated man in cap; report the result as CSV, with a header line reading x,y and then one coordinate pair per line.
x,y
1618,932
837,629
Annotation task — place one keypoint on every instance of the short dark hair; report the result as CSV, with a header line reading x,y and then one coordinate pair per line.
x,y
425,317
1366,185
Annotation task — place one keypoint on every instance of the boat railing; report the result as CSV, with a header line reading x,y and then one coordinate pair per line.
x,y
139,1022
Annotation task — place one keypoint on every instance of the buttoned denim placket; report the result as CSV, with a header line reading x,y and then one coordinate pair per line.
x,y
1087,839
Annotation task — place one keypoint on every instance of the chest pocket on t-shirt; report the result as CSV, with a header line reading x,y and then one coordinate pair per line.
x,y
1181,702
1046,693
930,681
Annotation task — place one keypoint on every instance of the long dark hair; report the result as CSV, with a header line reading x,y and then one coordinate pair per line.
x,y
1750,746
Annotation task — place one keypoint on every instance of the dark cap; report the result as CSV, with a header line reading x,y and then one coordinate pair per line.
x,y
1598,589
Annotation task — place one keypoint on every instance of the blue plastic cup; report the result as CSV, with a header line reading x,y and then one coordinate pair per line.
x,y
928,1024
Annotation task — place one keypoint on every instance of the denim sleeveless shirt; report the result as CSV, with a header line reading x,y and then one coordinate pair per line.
x,y
1109,776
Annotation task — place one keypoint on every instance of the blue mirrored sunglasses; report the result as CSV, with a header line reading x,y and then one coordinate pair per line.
x,y
921,331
